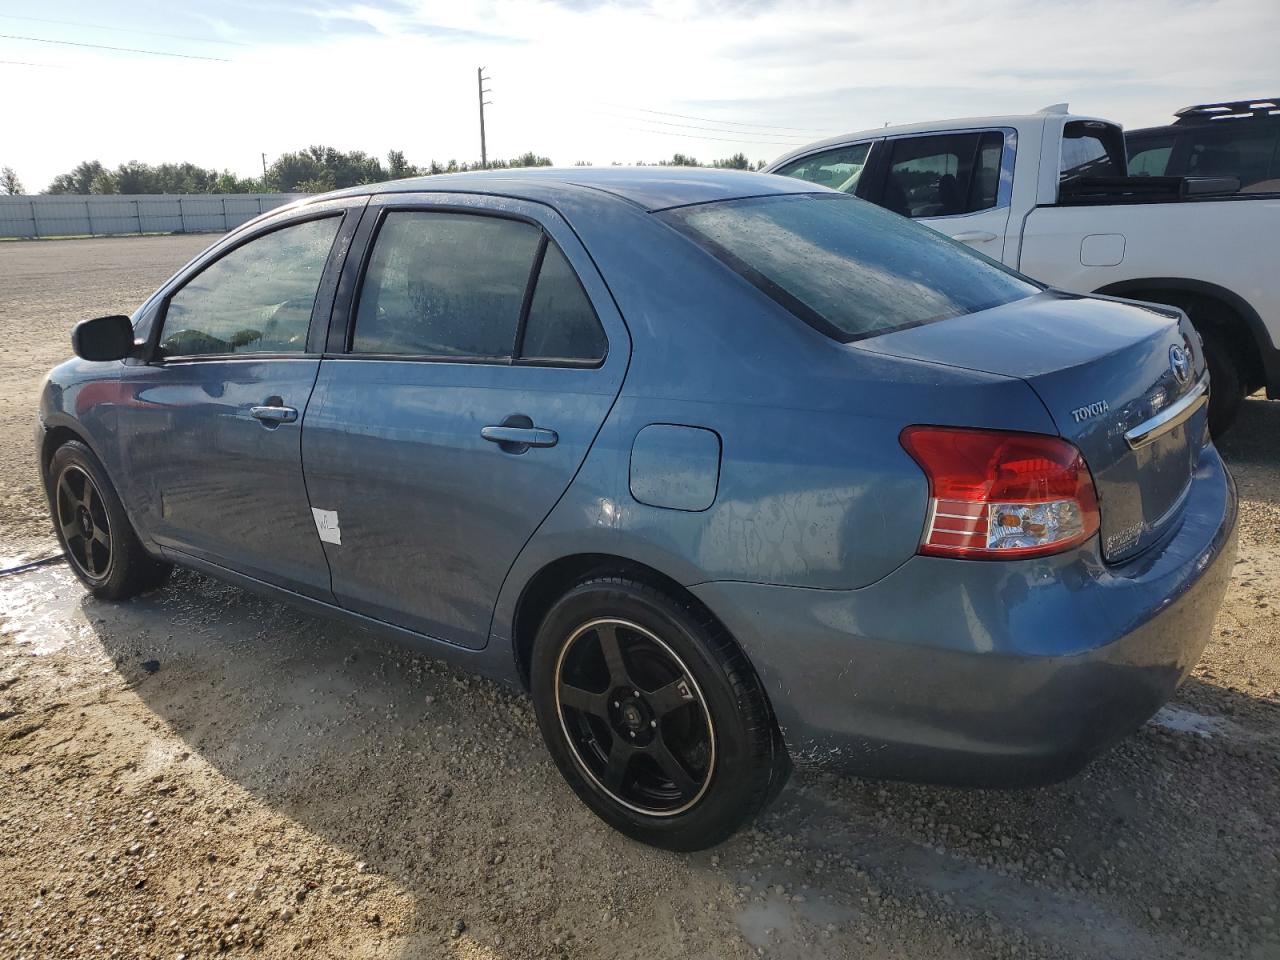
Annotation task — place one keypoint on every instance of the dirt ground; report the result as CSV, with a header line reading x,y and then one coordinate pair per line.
x,y
201,771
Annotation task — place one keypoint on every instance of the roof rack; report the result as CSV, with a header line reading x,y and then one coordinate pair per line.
x,y
1229,110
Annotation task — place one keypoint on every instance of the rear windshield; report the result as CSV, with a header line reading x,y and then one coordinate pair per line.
x,y
848,267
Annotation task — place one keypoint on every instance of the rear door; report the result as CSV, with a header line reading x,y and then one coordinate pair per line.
x,y
211,429
960,184
478,353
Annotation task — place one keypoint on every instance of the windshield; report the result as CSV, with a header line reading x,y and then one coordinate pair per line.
x,y
847,267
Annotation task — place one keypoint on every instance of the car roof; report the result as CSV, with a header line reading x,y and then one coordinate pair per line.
x,y
652,188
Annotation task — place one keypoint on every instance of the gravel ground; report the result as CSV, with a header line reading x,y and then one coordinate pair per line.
x,y
201,771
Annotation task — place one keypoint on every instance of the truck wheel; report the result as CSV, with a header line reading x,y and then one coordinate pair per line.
x,y
1226,392
654,715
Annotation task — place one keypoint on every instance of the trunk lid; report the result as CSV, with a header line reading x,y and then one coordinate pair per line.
x,y
1102,369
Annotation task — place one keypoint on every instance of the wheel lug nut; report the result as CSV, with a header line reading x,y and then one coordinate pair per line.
x,y
635,693
632,734
616,703
653,723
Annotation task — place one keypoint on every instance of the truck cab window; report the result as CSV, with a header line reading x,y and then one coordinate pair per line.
x,y
839,169
1150,158
1091,148
943,176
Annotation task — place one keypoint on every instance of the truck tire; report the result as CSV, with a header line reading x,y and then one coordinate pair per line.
x,y
1226,392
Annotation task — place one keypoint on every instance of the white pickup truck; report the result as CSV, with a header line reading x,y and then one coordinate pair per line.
x,y
1048,194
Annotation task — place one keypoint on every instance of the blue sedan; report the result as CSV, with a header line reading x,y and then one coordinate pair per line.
x,y
728,470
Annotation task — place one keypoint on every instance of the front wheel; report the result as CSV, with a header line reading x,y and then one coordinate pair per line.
x,y
653,715
99,542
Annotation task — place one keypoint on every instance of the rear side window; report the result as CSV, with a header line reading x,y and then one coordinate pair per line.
x,y
839,169
943,176
445,285
256,299
846,267
561,324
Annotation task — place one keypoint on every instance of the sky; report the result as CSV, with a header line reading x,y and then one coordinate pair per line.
x,y
220,82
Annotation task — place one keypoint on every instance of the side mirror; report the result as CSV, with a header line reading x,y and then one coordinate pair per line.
x,y
103,338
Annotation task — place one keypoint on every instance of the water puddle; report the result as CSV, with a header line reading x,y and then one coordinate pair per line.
x,y
41,609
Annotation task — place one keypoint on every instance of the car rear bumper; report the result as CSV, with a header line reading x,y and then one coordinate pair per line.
x,y
989,673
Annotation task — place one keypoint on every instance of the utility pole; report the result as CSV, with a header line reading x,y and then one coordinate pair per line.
x,y
480,80
264,167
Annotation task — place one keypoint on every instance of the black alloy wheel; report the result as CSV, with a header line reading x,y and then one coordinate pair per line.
x,y
653,714
634,717
100,544
84,524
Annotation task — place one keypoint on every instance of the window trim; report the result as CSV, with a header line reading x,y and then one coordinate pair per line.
x,y
347,337
337,248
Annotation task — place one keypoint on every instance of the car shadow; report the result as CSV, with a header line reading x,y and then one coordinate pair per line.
x,y
439,781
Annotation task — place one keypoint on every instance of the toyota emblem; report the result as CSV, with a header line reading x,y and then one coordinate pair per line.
x,y
1180,362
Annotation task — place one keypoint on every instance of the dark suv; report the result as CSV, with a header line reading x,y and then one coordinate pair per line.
x,y
1236,139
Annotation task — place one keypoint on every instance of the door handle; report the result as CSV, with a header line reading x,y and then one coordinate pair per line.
x,y
516,434
520,436
272,415
973,236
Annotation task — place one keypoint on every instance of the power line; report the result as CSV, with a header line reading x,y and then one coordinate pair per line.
x,y
99,46
24,63
694,136
731,123
101,26
771,137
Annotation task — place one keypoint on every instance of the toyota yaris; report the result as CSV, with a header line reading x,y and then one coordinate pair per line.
x,y
728,470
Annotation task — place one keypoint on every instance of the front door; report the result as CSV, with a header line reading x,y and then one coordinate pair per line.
x,y
212,430
471,383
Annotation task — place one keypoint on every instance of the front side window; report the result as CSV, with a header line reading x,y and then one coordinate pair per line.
x,y
445,285
839,169
256,299
943,176
846,267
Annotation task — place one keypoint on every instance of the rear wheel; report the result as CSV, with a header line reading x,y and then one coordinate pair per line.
x,y
100,544
653,715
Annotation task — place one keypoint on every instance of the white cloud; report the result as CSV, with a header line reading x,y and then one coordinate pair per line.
x,y
375,78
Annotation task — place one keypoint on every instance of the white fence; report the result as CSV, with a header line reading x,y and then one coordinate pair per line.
x,y
68,215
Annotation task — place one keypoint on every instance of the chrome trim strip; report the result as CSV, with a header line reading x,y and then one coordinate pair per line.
x,y
1169,418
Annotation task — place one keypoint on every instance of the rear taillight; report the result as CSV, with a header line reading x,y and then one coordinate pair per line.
x,y
997,495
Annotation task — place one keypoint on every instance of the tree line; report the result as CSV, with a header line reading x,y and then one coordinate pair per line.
x,y
316,169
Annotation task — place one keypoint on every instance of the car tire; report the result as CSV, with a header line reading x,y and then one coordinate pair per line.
x,y
654,715
99,542
1226,391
